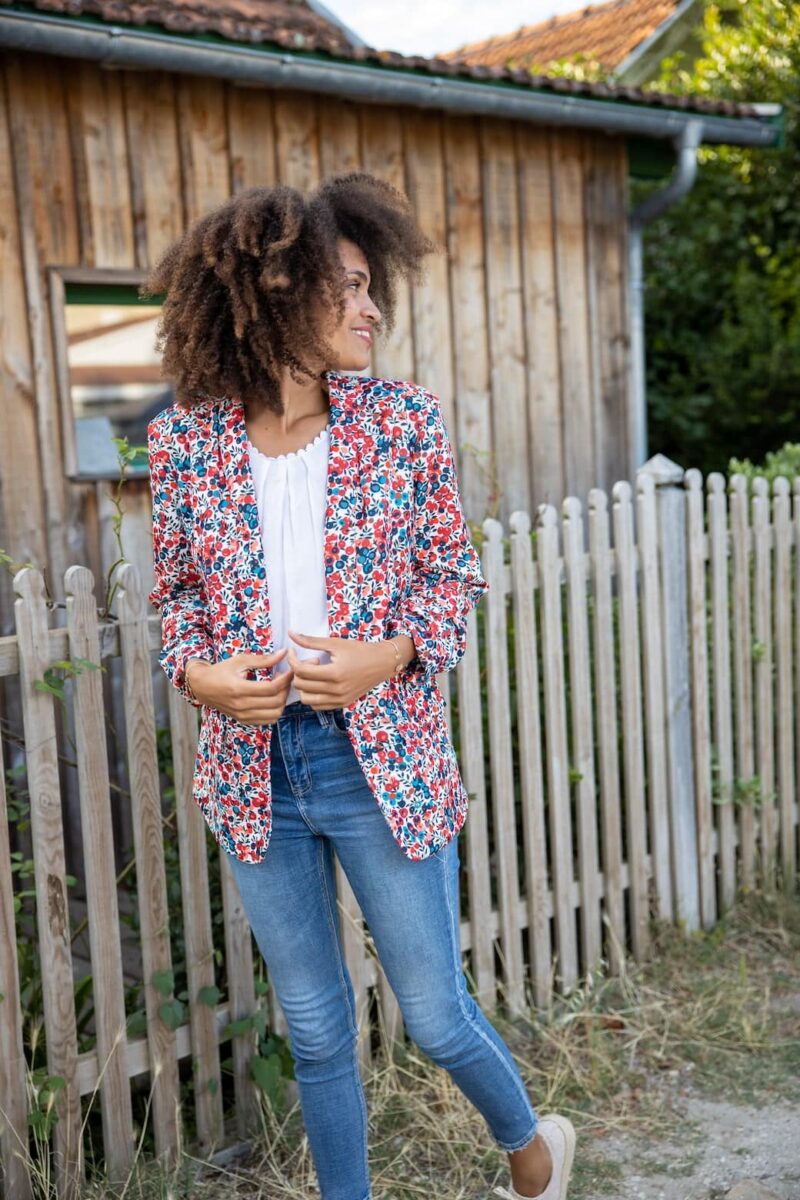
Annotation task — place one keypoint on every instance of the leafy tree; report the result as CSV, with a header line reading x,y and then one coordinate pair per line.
x,y
722,267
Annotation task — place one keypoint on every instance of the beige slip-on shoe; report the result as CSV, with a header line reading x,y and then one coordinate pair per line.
x,y
559,1133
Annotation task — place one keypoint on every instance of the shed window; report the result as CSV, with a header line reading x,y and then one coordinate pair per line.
x,y
111,375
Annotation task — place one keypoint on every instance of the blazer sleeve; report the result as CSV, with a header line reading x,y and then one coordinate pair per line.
x,y
446,580
178,591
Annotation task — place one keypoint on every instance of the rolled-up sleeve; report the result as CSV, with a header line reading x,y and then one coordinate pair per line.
x,y
446,580
178,591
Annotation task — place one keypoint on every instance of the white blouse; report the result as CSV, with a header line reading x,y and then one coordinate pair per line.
x,y
291,491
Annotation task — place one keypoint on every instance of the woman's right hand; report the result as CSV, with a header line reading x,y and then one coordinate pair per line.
x,y
224,685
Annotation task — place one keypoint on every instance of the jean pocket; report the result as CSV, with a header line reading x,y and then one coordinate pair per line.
x,y
444,852
338,721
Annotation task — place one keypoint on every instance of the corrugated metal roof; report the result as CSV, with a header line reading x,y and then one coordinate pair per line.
x,y
605,32
292,25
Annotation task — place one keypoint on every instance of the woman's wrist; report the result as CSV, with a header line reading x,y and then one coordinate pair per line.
x,y
402,652
187,666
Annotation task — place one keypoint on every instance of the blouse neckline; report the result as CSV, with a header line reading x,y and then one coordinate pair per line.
x,y
302,452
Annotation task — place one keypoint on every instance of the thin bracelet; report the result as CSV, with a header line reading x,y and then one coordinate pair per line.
x,y
187,685
399,664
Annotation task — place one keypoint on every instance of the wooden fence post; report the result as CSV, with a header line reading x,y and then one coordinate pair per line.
x,y
671,515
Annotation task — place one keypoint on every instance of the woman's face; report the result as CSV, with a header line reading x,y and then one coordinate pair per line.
x,y
352,338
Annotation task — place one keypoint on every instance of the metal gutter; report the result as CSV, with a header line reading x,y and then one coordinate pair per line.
x,y
656,203
128,47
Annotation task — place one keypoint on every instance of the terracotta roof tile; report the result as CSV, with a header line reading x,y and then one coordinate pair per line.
x,y
605,32
293,25
287,22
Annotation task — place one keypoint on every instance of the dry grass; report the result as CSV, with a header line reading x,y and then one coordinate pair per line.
x,y
719,1012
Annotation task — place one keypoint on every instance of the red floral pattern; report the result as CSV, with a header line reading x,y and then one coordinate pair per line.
x,y
398,559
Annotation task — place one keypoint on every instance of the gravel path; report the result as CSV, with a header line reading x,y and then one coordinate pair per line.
x,y
719,1147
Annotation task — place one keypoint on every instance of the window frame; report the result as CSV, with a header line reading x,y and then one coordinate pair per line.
x,y
59,280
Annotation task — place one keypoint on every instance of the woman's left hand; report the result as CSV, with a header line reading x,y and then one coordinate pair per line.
x,y
354,669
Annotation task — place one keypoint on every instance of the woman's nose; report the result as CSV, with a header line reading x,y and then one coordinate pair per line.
x,y
371,309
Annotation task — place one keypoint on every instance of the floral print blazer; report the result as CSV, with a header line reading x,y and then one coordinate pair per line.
x,y
398,559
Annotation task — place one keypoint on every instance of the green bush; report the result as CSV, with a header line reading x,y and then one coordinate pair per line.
x,y
722,267
785,461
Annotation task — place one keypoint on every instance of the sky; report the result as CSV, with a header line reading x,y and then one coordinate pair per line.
x,y
428,27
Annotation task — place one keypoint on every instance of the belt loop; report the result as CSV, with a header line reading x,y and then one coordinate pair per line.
x,y
324,715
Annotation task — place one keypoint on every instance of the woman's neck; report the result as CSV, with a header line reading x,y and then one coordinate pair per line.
x,y
303,404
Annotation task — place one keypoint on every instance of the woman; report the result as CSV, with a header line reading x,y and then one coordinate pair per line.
x,y
314,574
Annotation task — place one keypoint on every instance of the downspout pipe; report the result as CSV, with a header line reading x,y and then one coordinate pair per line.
x,y
679,185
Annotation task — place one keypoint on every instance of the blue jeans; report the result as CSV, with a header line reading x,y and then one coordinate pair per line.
x,y
321,803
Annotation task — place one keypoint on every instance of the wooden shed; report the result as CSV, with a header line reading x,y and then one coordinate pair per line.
x,y
121,123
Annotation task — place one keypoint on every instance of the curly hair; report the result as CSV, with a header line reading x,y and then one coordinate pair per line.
x,y
240,284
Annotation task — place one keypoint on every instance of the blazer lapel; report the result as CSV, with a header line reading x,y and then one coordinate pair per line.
x,y
344,513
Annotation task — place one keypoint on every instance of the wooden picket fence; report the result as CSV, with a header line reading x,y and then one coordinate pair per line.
x,y
649,693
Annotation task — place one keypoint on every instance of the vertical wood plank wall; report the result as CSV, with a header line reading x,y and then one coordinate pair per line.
x,y
519,327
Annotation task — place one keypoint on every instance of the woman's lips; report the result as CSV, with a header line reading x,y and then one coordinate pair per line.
x,y
365,335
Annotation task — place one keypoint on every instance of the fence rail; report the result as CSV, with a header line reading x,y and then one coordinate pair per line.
x,y
627,718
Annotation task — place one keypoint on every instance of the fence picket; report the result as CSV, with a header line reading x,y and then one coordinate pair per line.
x,y
470,724
796,589
277,1020
390,1018
241,995
582,733
653,683
762,670
701,718
607,729
633,736
529,735
781,524
14,1174
196,926
52,905
351,928
148,845
723,715
741,542
502,771
558,797
101,884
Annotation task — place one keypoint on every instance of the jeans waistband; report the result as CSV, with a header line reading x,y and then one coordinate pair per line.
x,y
298,708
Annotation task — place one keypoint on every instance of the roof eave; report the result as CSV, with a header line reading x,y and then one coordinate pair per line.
x,y
117,46
322,10
649,42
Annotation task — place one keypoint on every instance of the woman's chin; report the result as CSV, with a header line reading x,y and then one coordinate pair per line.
x,y
352,362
